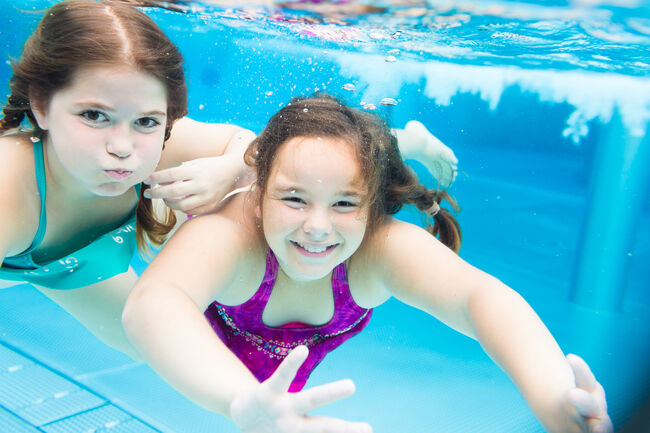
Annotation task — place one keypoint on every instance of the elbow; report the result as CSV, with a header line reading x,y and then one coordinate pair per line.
x,y
136,309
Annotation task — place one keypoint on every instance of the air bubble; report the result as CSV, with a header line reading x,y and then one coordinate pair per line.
x,y
391,59
350,87
369,107
388,101
393,52
305,110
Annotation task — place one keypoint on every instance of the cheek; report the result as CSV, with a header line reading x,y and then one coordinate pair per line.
x,y
151,150
275,217
353,223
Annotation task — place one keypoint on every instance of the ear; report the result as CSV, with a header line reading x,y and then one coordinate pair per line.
x,y
38,109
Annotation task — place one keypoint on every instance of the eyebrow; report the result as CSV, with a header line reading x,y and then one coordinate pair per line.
x,y
107,108
295,190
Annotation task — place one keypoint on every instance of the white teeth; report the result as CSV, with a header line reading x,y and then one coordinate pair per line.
x,y
313,248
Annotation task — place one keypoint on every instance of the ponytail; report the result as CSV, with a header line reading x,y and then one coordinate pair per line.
x,y
150,227
402,187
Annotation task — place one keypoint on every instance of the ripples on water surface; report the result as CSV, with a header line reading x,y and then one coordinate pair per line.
x,y
584,35
590,54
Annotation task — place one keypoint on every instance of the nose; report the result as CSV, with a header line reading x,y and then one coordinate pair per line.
x,y
317,224
120,141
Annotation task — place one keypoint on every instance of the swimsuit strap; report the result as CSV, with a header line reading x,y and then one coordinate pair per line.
x,y
256,304
39,166
344,303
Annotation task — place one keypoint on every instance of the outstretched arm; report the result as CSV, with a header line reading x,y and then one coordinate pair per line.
x,y
416,142
420,271
164,319
201,163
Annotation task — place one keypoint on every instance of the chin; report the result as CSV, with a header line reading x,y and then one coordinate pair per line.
x,y
113,190
306,275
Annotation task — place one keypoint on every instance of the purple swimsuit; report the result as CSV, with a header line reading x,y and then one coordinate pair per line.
x,y
261,348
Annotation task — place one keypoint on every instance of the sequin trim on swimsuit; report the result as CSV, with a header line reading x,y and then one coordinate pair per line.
x,y
279,349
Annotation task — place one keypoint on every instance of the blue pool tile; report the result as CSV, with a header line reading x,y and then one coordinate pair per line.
x,y
31,385
104,417
12,424
60,406
11,361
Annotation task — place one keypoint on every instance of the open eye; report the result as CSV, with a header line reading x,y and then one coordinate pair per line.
x,y
147,122
94,116
345,206
294,202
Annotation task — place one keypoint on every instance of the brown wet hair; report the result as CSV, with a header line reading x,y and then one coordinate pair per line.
x,y
81,33
391,183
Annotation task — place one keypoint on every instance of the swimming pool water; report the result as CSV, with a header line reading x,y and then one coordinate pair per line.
x,y
528,96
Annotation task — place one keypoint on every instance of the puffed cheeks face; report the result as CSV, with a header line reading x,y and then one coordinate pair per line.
x,y
313,212
105,131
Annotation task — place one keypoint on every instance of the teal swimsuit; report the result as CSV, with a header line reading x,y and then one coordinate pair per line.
x,y
104,257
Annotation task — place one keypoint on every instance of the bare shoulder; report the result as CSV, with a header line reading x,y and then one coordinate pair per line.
x,y
399,257
16,154
213,256
19,194
372,263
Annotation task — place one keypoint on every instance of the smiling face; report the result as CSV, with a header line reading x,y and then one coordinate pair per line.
x,y
105,130
311,209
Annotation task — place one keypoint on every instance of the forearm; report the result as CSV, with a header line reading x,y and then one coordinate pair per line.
x,y
242,174
517,340
172,335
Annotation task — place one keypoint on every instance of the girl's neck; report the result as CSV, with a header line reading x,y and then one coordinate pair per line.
x,y
290,284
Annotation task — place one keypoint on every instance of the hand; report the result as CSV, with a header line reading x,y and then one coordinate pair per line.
x,y
416,142
269,408
195,187
588,398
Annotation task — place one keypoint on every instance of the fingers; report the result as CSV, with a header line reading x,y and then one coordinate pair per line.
x,y
174,174
333,425
322,395
585,403
286,372
192,205
444,172
588,397
176,190
584,377
601,425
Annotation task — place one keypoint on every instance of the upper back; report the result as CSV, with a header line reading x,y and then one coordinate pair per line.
x,y
21,202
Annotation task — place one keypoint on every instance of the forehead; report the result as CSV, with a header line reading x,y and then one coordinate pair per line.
x,y
116,85
322,160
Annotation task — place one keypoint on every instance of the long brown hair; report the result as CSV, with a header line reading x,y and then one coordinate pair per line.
x,y
79,33
391,183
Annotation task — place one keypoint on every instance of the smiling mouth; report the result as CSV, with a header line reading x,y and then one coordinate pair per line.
x,y
314,250
118,174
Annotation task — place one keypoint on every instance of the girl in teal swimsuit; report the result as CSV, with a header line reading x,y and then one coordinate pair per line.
x,y
105,93
299,261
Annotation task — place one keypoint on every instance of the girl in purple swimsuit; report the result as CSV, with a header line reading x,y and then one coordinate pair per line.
x,y
293,267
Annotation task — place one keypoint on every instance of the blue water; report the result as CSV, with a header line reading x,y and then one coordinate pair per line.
x,y
525,94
